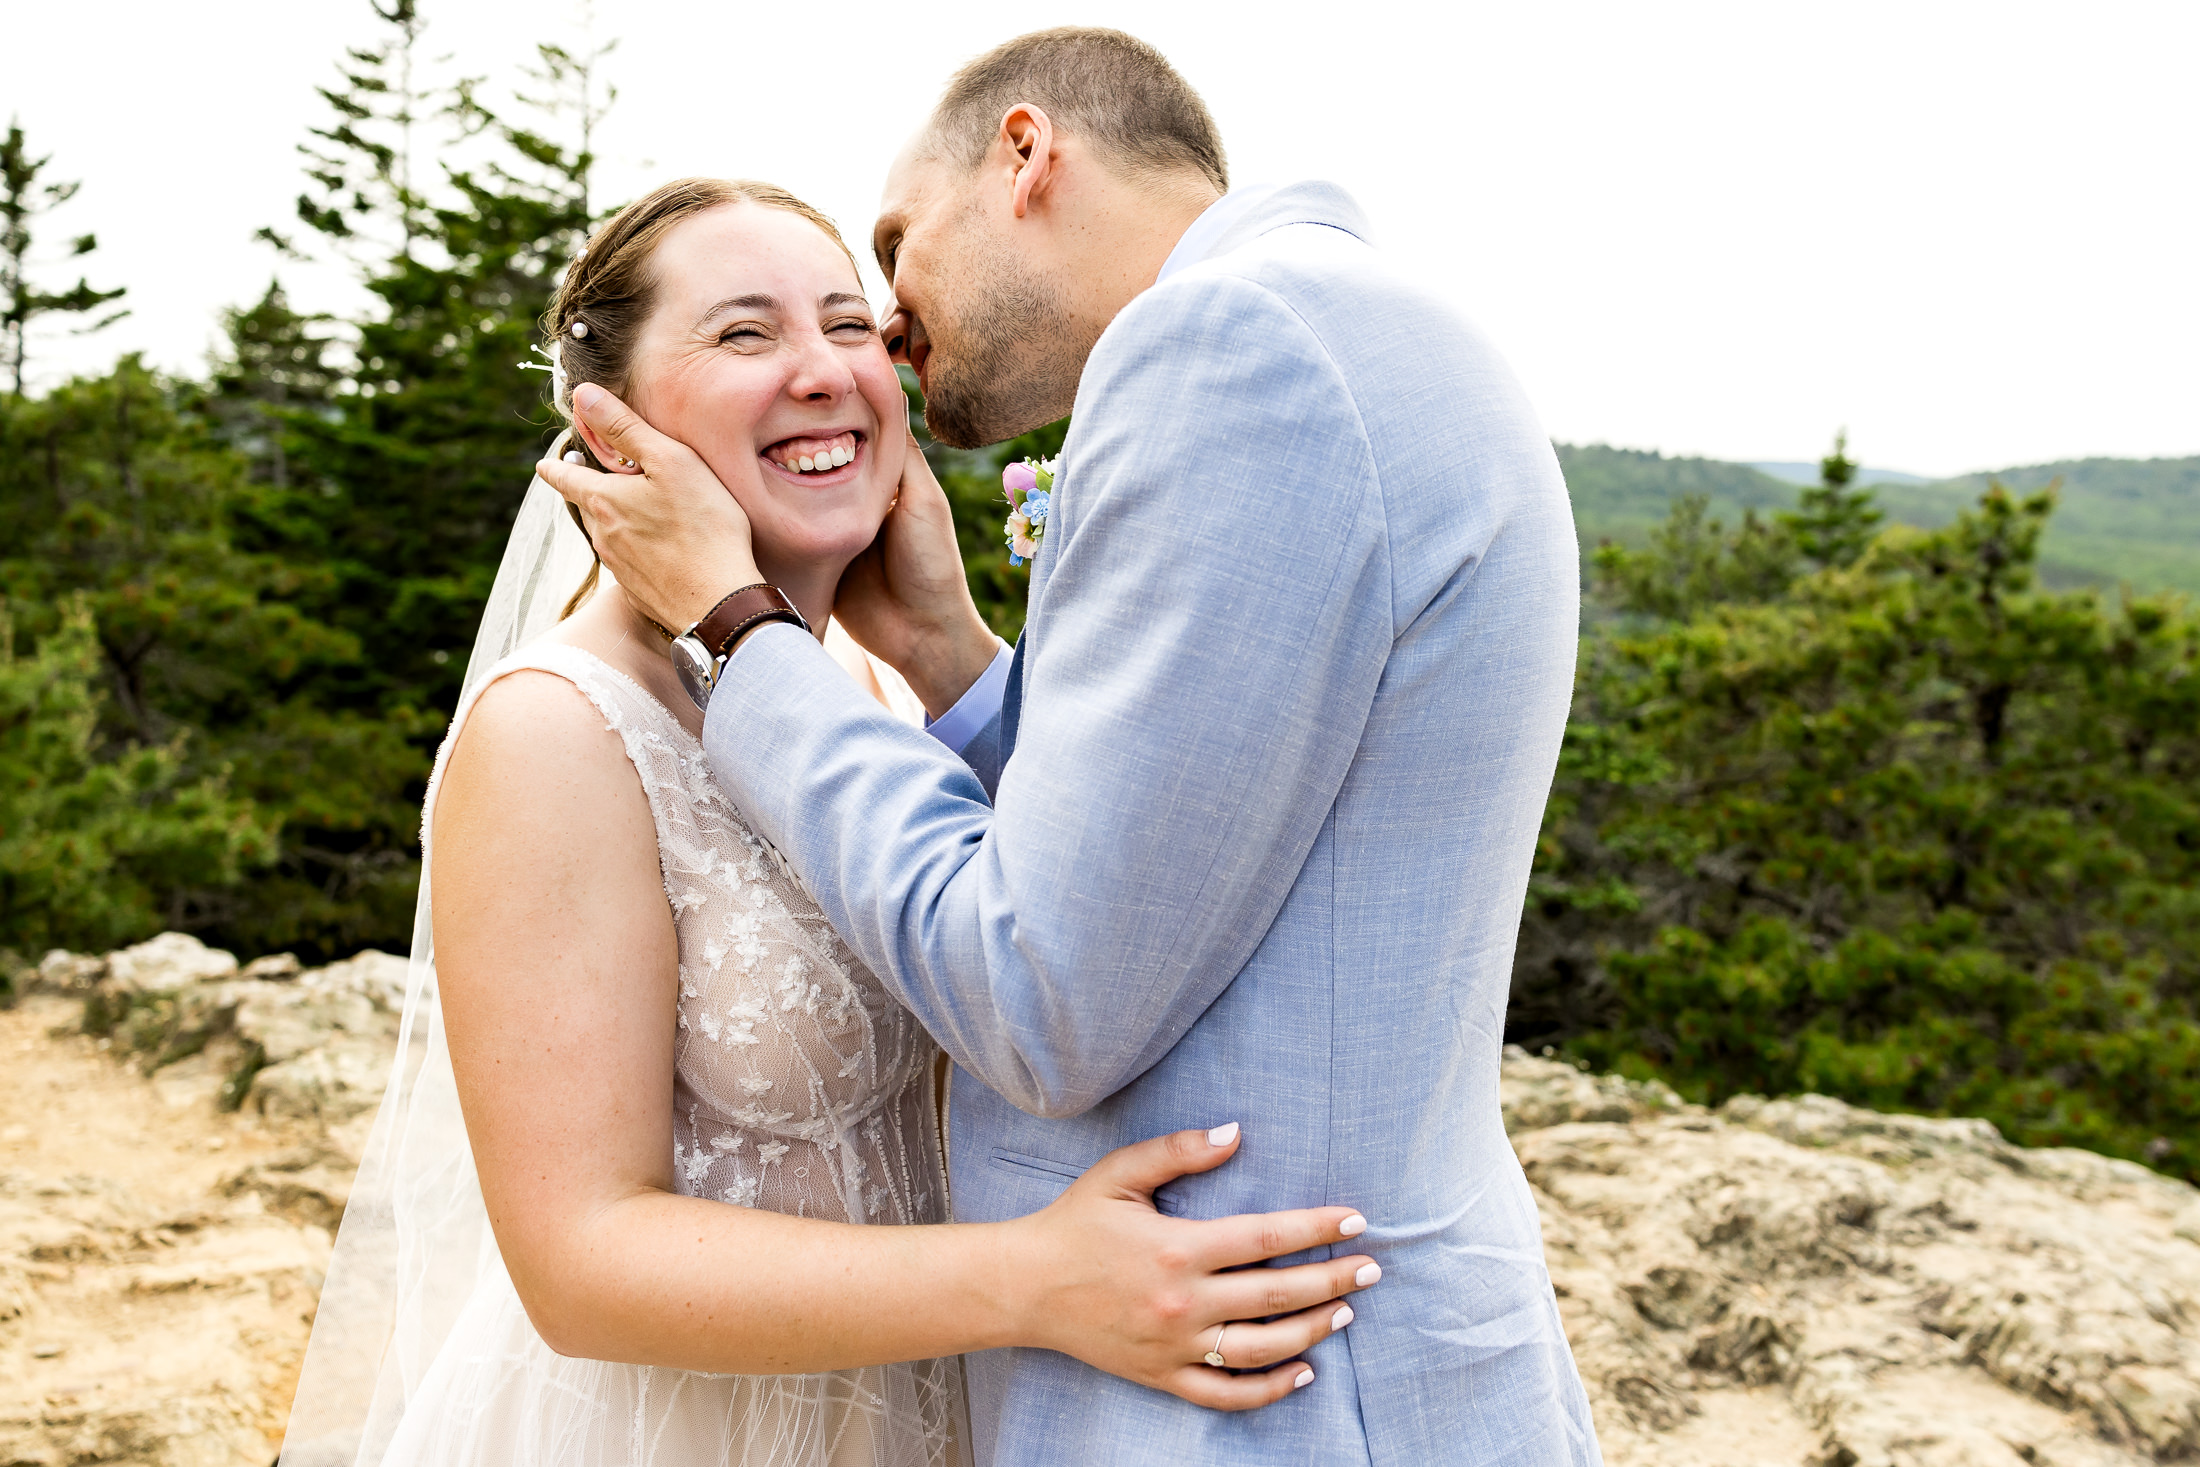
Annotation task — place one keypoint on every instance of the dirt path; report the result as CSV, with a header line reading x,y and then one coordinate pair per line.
x,y
153,1307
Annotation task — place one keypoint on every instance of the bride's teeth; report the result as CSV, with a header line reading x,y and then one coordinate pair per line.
x,y
824,459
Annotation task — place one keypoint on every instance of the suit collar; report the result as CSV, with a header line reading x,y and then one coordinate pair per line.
x,y
1246,213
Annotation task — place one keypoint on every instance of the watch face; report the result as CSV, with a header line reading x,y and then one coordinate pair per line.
x,y
692,661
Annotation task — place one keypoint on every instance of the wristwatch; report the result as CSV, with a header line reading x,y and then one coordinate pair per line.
x,y
699,653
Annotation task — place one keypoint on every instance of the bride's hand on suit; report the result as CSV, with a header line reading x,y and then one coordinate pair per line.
x,y
1119,1286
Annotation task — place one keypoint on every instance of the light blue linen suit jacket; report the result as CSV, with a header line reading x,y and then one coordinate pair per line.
x,y
1263,796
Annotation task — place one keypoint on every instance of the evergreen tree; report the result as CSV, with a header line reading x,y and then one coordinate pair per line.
x,y
1914,834
276,366
421,465
117,495
1834,520
361,163
102,842
22,201
570,91
1694,562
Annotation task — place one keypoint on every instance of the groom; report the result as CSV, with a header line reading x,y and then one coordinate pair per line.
x,y
1242,830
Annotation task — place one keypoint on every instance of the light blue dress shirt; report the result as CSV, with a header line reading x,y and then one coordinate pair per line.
x,y
979,705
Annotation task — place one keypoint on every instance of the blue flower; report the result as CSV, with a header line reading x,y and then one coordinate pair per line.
x,y
1028,486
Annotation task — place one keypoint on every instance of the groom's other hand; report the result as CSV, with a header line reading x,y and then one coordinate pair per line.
x,y
670,533
906,599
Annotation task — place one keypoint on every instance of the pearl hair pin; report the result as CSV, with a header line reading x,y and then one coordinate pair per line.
x,y
573,456
580,328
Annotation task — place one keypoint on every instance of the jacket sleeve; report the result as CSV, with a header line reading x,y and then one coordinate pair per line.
x,y
1199,666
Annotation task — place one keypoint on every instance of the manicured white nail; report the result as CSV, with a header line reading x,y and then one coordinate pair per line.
x,y
1341,1318
1368,1274
1306,1378
1352,1226
573,456
1222,1135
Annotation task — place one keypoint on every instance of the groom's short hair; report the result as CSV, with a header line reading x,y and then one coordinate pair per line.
x,y
1116,92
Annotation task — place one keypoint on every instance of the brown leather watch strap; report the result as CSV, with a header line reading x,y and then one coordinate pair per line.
x,y
745,608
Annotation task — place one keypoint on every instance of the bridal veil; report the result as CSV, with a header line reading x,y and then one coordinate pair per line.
x,y
415,1238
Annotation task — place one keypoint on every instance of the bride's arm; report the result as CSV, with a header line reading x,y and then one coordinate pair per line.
x,y
558,969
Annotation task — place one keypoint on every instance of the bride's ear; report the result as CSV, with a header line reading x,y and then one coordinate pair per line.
x,y
605,456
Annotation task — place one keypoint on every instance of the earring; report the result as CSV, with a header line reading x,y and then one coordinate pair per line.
x,y
629,463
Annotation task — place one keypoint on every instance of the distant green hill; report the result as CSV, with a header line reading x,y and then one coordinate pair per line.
x,y
2122,521
1620,493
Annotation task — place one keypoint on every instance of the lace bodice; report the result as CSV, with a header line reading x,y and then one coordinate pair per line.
x,y
802,1087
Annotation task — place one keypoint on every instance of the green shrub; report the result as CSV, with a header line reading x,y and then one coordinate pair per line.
x,y
100,844
1904,831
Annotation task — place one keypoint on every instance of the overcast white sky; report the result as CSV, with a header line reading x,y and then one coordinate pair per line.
x,y
1968,232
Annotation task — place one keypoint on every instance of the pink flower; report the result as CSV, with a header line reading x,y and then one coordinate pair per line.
x,y
1019,528
1017,480
1023,545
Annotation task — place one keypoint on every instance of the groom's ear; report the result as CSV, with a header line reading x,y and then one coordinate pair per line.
x,y
1026,147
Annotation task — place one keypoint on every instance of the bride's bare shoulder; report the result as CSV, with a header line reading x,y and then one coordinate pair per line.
x,y
534,744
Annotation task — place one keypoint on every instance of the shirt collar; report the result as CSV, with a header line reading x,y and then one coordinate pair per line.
x,y
1215,221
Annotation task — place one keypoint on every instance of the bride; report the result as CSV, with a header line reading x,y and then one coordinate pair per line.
x,y
659,1176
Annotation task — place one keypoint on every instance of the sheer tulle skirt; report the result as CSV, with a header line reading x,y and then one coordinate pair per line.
x,y
497,1396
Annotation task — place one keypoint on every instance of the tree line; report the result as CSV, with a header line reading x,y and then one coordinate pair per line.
x,y
1860,809
1843,806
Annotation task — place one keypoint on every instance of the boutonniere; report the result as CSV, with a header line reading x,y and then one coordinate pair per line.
x,y
1028,486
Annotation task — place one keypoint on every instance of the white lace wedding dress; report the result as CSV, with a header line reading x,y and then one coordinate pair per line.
x,y
802,1088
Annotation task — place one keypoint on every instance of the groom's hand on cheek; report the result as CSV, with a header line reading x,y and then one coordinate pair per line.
x,y
676,541
907,601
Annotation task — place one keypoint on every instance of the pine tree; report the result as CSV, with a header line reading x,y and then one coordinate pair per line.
x,y
1912,833
388,454
570,95
422,463
277,365
361,164
1833,521
23,200
1694,562
101,842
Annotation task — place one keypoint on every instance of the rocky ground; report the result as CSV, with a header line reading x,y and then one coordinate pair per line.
x,y
1797,1281
1789,1283
176,1140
